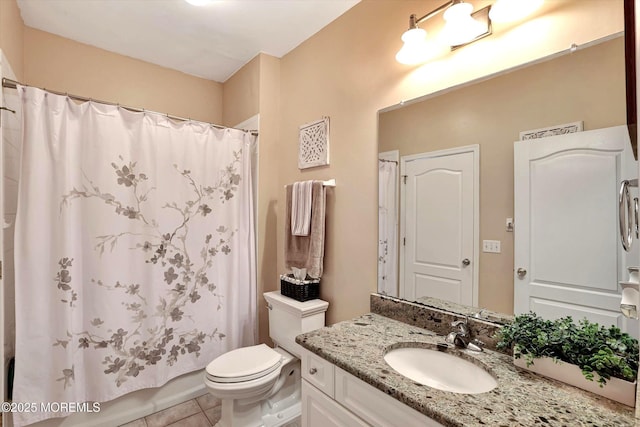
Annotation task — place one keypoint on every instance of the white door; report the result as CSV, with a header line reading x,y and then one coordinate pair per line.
x,y
568,257
439,223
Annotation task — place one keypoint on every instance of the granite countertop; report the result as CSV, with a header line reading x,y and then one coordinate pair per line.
x,y
520,399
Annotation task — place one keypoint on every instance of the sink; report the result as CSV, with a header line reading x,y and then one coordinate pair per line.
x,y
440,370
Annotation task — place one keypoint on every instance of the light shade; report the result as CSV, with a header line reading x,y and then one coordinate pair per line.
x,y
414,49
460,27
513,10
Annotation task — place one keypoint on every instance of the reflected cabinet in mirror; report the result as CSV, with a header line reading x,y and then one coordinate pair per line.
x,y
455,225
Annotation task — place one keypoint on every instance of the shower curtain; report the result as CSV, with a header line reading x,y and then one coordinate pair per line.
x,y
135,251
387,228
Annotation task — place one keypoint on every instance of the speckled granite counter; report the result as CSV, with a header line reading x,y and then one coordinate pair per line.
x,y
520,399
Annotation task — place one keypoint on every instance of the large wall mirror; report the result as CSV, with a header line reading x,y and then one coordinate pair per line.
x,y
478,124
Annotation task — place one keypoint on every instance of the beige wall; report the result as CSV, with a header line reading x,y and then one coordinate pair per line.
x,y
241,94
255,89
588,85
347,71
268,185
11,35
61,64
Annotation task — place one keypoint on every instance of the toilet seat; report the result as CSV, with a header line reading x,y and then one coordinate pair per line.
x,y
244,364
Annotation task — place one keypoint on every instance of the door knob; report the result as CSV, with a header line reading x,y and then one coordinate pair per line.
x,y
466,262
521,272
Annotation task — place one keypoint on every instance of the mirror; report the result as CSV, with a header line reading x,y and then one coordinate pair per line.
x,y
586,86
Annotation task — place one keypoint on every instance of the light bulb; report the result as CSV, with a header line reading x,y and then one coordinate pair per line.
x,y
513,10
414,49
458,11
460,27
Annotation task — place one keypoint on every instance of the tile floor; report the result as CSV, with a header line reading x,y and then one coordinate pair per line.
x,y
203,411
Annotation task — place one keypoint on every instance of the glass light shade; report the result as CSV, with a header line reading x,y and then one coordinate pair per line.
x,y
458,11
414,49
460,27
513,10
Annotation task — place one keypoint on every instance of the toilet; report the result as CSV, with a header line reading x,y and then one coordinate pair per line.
x,y
260,386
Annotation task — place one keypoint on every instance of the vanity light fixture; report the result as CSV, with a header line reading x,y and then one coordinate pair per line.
x,y
462,25
461,28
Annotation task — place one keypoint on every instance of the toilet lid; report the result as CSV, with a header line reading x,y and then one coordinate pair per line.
x,y
244,364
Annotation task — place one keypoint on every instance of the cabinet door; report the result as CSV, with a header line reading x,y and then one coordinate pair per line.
x,y
375,407
318,410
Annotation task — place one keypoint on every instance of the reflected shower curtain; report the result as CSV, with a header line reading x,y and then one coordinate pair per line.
x,y
387,228
135,253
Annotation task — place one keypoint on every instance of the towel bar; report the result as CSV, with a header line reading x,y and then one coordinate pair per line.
x,y
327,183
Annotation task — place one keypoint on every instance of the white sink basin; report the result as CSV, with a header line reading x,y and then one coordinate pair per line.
x,y
440,370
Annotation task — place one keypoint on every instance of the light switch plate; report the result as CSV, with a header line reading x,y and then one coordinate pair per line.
x,y
491,246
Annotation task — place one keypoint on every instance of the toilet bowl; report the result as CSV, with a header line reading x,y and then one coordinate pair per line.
x,y
260,386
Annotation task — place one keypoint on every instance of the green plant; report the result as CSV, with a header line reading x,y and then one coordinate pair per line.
x,y
596,349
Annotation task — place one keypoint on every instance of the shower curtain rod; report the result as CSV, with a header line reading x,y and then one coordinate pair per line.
x,y
12,84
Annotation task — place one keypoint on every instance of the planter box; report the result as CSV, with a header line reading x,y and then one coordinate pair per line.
x,y
616,389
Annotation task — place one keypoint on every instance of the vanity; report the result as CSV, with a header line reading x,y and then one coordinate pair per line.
x,y
346,381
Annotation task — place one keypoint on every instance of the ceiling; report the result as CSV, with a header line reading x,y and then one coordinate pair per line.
x,y
211,41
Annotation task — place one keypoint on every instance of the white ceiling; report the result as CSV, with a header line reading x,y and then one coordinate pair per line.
x,y
211,41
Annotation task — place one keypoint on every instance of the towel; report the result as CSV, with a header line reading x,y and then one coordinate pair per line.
x,y
306,251
301,208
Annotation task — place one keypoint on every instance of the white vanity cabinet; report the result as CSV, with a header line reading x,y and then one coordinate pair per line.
x,y
334,397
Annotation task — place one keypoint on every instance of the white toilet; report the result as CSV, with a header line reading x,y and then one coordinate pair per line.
x,y
258,385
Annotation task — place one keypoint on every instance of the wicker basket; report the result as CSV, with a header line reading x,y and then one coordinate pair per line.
x,y
300,290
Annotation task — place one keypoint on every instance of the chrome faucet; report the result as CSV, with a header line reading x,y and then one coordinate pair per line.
x,y
479,314
461,337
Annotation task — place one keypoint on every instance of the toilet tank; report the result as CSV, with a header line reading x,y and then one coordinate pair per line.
x,y
289,318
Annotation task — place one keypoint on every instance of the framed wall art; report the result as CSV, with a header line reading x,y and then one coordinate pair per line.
x,y
313,144
552,131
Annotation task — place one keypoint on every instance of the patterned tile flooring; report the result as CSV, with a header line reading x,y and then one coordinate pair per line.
x,y
203,411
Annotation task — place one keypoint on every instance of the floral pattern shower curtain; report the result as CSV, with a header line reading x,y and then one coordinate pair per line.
x,y
387,228
135,253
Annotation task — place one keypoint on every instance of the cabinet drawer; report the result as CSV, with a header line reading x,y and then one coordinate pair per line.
x,y
318,372
374,406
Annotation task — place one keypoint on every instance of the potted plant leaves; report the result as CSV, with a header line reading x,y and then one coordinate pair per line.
x,y
603,360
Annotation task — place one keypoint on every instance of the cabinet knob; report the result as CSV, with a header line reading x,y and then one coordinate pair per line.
x,y
521,272
312,371
466,262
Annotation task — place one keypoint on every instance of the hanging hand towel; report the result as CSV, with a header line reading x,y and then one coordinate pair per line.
x,y
306,251
301,208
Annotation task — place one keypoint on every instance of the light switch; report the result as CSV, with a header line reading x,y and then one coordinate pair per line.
x,y
492,246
